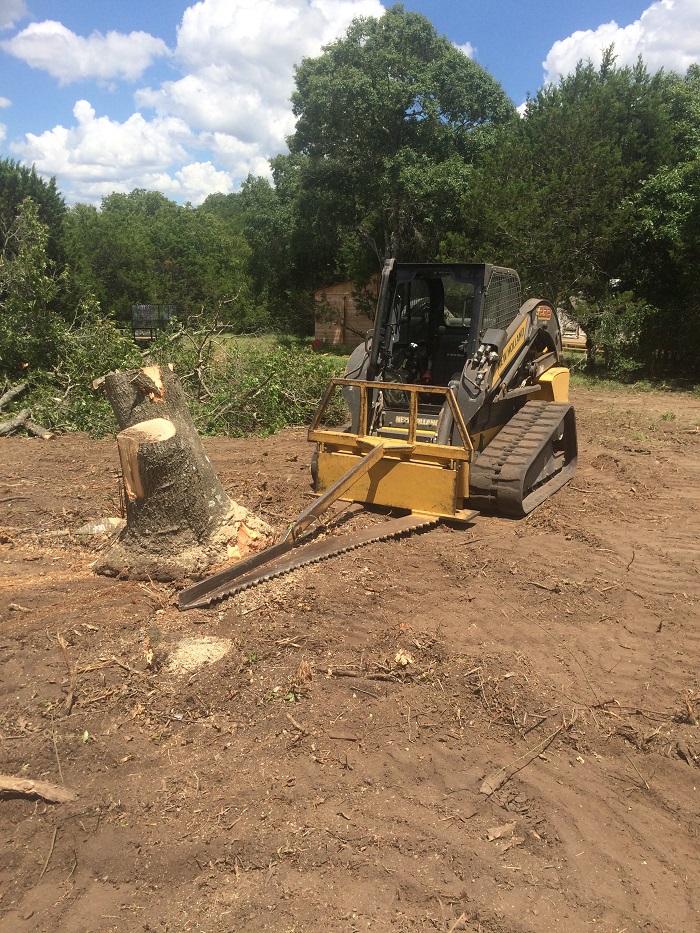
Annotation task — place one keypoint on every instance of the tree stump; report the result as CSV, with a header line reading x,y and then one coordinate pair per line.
x,y
179,519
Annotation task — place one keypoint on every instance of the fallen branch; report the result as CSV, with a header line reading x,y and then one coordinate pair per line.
x,y
15,423
55,748
11,393
237,402
498,778
460,920
50,853
52,793
296,725
540,586
23,421
639,773
36,430
72,675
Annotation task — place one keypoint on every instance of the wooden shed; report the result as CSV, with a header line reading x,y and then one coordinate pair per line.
x,y
339,321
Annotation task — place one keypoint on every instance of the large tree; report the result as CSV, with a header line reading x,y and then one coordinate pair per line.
x,y
558,197
389,118
142,248
665,238
18,182
553,195
289,254
29,287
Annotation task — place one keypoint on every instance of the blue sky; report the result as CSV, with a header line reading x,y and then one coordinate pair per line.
x,y
188,98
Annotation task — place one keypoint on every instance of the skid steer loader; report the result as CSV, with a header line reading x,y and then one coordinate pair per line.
x,y
458,403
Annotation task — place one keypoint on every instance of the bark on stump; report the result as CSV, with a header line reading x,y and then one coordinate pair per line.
x,y
180,520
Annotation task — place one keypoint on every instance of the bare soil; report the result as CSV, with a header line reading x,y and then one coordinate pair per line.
x,y
485,729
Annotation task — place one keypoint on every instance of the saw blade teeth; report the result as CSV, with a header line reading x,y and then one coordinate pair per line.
x,y
317,552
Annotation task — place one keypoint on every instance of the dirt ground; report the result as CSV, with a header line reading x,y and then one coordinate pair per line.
x,y
489,729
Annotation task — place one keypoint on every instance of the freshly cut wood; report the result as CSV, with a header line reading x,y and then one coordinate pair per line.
x,y
36,430
179,519
155,392
54,793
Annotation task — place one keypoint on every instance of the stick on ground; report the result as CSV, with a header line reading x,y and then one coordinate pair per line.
x,y
53,793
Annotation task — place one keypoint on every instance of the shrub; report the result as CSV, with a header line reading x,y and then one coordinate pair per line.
x,y
249,386
63,398
616,329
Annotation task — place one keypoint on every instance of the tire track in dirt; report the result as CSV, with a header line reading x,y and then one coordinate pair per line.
x,y
628,835
204,805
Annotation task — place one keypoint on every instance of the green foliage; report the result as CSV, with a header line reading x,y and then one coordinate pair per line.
x,y
58,355
552,198
250,387
63,399
389,84
260,393
616,327
599,184
29,286
389,117
281,265
141,248
19,182
665,238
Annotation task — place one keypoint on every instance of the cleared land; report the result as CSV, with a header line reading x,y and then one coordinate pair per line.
x,y
492,729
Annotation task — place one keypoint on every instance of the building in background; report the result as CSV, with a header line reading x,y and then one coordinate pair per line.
x,y
340,321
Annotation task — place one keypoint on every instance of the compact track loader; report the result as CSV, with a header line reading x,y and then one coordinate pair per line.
x,y
458,403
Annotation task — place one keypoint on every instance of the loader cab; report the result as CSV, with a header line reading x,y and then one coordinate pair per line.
x,y
431,318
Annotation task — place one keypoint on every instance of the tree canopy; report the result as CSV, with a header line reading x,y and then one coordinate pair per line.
x,y
403,147
18,182
141,248
389,119
576,196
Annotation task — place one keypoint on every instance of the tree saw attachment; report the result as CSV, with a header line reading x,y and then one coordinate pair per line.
x,y
298,547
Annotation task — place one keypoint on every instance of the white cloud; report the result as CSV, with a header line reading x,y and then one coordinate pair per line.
x,y
50,47
98,151
11,11
263,38
193,182
224,117
239,72
5,102
237,157
667,35
213,100
198,179
467,49
238,60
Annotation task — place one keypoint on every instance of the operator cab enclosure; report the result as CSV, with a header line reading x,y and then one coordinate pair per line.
x,y
430,319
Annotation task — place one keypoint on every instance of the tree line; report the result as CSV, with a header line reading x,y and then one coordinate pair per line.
x,y
403,147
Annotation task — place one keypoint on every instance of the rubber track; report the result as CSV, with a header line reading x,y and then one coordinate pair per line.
x,y
311,554
498,476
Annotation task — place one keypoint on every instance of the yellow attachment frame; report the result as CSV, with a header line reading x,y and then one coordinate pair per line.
x,y
411,474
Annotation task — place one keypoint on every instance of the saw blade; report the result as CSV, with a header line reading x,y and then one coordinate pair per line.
x,y
200,595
